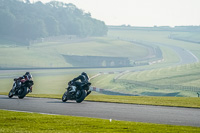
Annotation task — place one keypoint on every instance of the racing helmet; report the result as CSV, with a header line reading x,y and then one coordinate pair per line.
x,y
29,76
85,74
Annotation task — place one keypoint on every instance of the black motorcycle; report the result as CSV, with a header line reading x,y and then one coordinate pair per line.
x,y
20,90
73,93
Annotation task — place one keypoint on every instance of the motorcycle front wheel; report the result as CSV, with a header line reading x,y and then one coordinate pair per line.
x,y
64,98
10,94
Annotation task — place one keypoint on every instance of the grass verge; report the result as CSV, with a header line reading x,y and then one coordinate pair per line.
x,y
190,102
33,122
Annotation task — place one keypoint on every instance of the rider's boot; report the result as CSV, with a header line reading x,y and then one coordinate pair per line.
x,y
29,90
88,92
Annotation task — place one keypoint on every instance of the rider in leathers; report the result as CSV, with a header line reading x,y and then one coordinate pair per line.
x,y
20,80
83,78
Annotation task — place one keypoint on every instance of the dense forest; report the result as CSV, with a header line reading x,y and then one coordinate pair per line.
x,y
23,20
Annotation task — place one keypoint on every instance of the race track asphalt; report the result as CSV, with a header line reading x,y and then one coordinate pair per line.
x,y
115,111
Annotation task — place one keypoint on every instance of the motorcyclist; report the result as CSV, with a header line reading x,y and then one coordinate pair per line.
x,y
78,81
20,80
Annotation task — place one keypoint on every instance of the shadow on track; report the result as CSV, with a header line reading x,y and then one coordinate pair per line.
x,y
61,102
9,98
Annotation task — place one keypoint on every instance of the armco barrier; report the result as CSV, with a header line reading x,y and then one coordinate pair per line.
x,y
95,89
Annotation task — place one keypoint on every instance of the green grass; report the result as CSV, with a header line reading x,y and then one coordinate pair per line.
x,y
49,54
158,37
167,81
169,57
188,36
34,123
104,47
148,100
169,75
32,57
174,77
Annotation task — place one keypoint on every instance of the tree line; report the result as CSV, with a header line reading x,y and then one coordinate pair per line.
x,y
28,21
192,28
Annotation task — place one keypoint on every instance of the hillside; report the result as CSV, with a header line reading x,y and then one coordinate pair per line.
x,y
62,53
177,74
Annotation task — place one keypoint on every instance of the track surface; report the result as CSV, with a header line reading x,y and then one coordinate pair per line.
x,y
127,112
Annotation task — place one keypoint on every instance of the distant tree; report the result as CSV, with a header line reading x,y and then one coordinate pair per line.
x,y
27,1
28,21
7,21
52,26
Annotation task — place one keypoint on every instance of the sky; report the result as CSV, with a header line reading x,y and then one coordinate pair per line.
x,y
141,12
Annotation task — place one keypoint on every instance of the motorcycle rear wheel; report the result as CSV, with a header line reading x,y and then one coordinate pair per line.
x,y
80,96
23,93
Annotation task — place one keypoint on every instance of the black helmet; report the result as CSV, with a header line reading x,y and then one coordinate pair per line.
x,y
27,73
83,73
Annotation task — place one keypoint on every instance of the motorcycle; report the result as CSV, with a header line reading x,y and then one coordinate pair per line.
x,y
73,93
21,90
